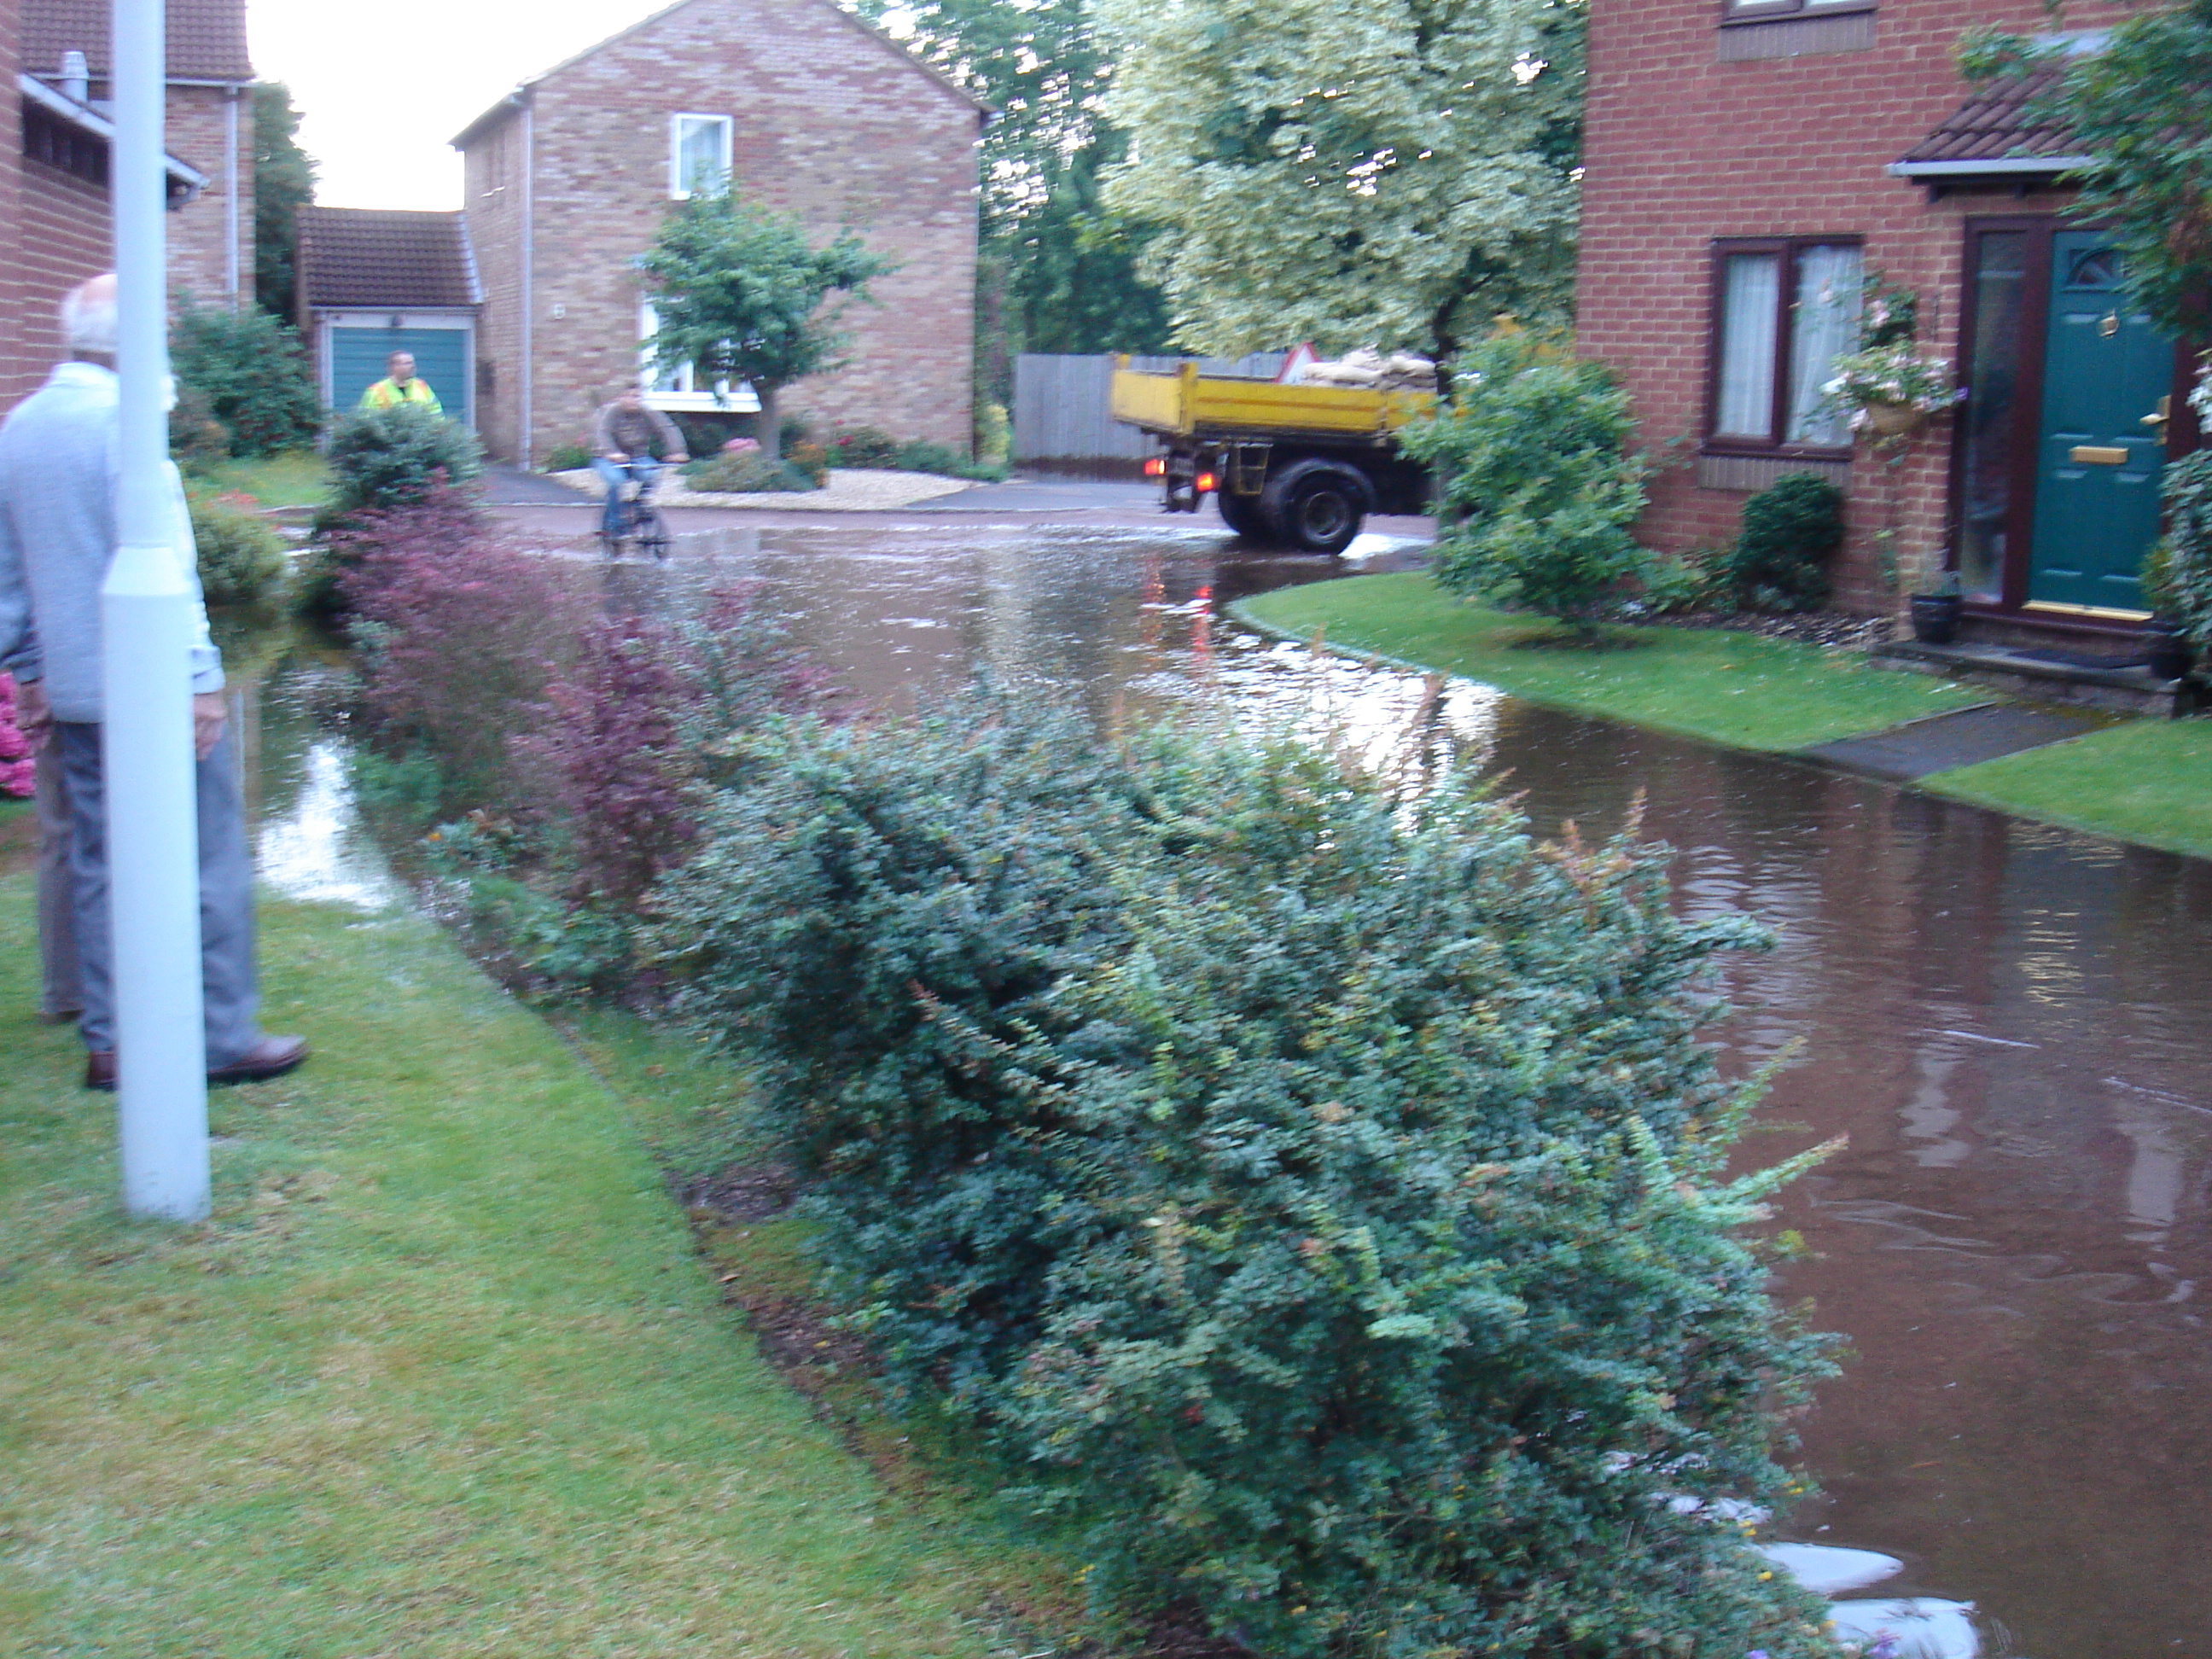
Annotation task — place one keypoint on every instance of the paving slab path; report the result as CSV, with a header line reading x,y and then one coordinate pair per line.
x,y
1963,736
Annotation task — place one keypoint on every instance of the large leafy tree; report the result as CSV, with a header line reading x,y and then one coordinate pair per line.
x,y
743,295
1393,173
283,183
1059,269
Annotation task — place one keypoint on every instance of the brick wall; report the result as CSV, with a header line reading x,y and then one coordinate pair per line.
x,y
66,237
831,122
198,132
15,379
1683,147
493,195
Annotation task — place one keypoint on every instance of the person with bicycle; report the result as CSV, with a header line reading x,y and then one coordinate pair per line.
x,y
622,439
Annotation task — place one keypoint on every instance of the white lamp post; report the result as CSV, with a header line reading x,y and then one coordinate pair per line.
x,y
147,614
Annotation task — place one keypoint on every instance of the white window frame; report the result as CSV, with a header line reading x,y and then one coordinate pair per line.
x,y
686,395
677,191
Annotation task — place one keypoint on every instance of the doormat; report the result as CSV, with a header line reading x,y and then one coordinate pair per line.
x,y
2082,659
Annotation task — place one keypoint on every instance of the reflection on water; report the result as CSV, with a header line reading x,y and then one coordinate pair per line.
x,y
2009,1021
319,850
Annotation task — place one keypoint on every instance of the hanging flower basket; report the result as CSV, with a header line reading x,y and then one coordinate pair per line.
x,y
1894,420
1891,392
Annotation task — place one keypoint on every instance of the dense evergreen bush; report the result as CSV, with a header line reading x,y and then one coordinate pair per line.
x,y
2185,580
1538,491
242,560
1317,1192
395,457
253,375
1791,531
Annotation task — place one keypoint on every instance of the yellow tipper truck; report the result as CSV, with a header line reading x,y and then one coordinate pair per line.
x,y
1298,467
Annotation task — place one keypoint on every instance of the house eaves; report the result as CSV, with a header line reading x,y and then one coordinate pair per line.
x,y
91,121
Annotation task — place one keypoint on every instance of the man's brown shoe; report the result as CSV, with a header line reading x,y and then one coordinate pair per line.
x,y
270,1057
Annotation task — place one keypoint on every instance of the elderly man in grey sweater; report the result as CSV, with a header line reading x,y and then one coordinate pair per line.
x,y
57,469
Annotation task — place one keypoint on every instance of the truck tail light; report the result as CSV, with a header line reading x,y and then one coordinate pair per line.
x,y
1206,483
1156,466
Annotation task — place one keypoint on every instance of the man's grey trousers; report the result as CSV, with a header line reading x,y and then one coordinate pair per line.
x,y
226,896
60,997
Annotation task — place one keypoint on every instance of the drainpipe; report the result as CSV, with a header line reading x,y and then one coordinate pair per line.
x,y
146,619
529,278
230,196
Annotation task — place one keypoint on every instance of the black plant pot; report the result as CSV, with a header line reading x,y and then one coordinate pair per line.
x,y
1935,617
2167,647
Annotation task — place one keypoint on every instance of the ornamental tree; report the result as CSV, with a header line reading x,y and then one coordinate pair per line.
x,y
740,294
2141,107
1392,174
1059,268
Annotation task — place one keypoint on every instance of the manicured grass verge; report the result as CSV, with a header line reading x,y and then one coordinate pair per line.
x,y
298,477
2147,781
1725,687
442,1375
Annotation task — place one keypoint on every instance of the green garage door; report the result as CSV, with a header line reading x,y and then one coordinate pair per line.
x,y
441,357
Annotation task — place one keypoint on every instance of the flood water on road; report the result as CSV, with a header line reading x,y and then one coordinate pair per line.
x,y
2010,1021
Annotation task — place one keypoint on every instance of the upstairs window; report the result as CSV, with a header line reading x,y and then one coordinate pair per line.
x,y
698,156
1784,310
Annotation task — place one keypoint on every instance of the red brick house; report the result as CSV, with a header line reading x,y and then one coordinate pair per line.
x,y
803,108
54,226
1749,162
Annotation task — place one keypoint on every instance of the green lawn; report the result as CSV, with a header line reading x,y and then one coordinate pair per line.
x,y
443,1375
1725,687
2147,781
298,477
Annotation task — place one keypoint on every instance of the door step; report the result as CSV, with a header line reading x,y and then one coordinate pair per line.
x,y
2019,674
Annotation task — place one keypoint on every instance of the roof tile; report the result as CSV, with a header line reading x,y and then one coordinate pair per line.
x,y
375,257
1995,124
207,37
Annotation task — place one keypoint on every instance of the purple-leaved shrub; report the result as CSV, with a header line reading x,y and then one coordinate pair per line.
x,y
462,632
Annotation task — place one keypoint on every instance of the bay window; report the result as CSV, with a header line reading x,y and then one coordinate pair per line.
x,y
1784,310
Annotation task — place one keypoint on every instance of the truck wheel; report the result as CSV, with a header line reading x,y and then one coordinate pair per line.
x,y
1242,514
1315,507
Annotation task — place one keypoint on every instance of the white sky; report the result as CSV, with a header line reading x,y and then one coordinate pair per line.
x,y
383,86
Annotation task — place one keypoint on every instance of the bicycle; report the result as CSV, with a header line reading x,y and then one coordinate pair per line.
x,y
636,519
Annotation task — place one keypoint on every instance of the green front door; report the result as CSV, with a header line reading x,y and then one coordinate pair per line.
x,y
2097,459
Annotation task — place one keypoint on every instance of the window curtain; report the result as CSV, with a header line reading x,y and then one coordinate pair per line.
x,y
1824,327
1751,299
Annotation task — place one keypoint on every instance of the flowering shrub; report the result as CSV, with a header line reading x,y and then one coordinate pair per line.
x,y
1895,374
18,766
1316,1194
